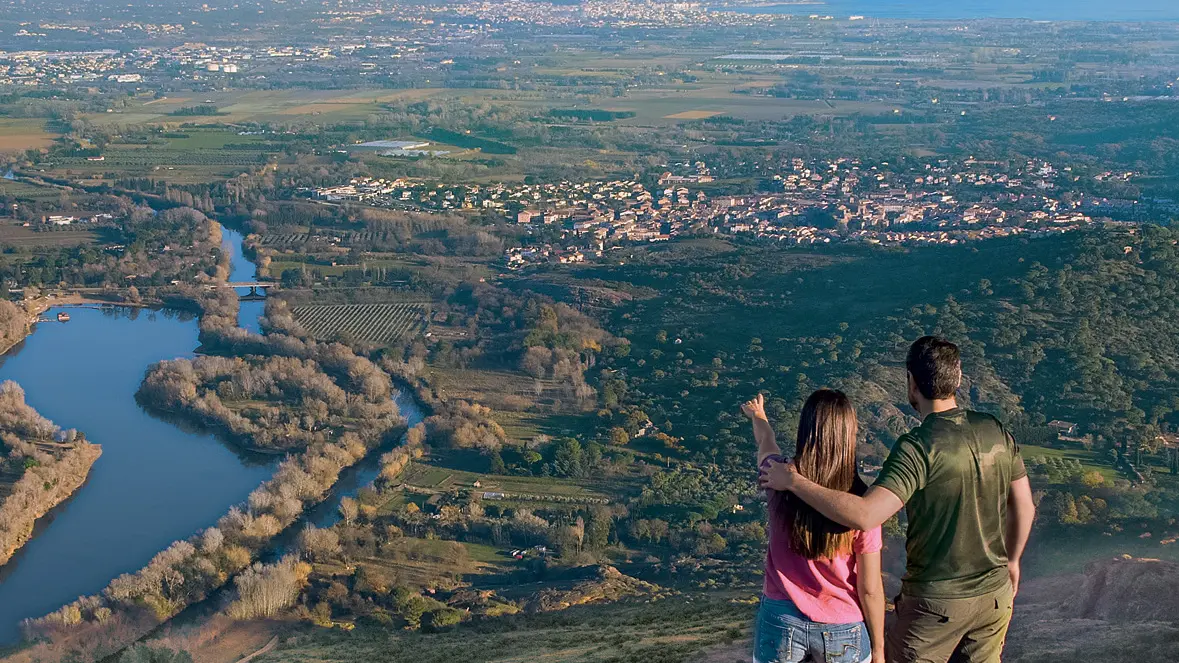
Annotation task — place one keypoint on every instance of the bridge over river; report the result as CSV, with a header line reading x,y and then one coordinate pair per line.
x,y
257,289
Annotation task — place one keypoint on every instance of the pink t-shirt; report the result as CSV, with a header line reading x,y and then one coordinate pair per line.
x,y
823,589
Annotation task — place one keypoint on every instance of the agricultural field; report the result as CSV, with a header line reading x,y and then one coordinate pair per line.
x,y
377,323
436,478
15,234
504,391
1085,458
685,103
260,106
187,155
422,563
467,268
527,426
21,134
29,192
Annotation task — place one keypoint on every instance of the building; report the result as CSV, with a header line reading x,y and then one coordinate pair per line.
x,y
1062,428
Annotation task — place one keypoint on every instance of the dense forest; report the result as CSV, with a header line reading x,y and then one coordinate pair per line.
x,y
1074,329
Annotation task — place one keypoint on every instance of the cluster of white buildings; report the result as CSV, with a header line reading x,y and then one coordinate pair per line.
x,y
65,220
820,202
193,60
592,13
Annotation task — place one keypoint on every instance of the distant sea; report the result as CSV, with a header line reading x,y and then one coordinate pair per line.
x,y
1039,10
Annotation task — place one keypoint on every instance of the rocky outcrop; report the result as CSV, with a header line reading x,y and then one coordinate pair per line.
x,y
1128,589
604,583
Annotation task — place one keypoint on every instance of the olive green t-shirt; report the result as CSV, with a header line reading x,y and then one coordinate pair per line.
x,y
953,472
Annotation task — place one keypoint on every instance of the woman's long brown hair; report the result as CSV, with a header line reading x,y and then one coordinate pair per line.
x,y
826,454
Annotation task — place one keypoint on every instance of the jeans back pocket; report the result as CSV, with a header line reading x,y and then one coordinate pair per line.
x,y
778,639
844,645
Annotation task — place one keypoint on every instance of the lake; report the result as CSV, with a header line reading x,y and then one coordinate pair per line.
x,y
156,481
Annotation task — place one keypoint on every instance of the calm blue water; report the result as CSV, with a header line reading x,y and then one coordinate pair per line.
x,y
154,483
1040,10
241,269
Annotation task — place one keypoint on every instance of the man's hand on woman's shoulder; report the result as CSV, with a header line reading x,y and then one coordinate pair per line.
x,y
778,476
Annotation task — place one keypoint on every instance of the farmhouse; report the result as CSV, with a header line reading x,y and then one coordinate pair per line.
x,y
1062,427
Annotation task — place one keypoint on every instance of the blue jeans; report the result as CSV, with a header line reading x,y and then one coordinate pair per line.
x,y
785,635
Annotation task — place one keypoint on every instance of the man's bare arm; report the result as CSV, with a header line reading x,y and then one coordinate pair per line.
x,y
847,509
1021,512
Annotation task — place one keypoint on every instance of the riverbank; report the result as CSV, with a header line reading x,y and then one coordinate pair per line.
x,y
41,466
35,308
352,421
19,513
155,482
32,314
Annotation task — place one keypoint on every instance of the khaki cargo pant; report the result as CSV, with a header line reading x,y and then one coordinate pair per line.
x,y
969,630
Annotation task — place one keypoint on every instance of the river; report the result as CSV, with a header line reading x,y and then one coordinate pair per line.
x,y
156,482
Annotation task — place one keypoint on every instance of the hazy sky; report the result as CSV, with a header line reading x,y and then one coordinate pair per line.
x,y
1089,10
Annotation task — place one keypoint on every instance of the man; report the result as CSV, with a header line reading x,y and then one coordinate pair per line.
x,y
969,505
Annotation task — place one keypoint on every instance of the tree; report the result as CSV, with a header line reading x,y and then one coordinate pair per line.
x,y
567,457
619,436
349,509
1092,479
1064,506
440,619
597,532
264,590
318,544
412,606
497,463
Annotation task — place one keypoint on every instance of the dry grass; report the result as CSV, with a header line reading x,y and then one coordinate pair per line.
x,y
17,235
692,115
24,134
500,390
219,640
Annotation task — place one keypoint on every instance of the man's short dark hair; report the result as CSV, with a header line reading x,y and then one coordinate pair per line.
x,y
936,366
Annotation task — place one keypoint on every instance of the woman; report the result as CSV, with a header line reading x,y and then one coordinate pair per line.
x,y
823,598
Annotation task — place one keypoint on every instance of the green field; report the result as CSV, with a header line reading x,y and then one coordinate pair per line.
x,y
421,563
29,192
260,106
1086,459
525,426
14,234
378,323
284,262
183,155
436,478
1063,554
